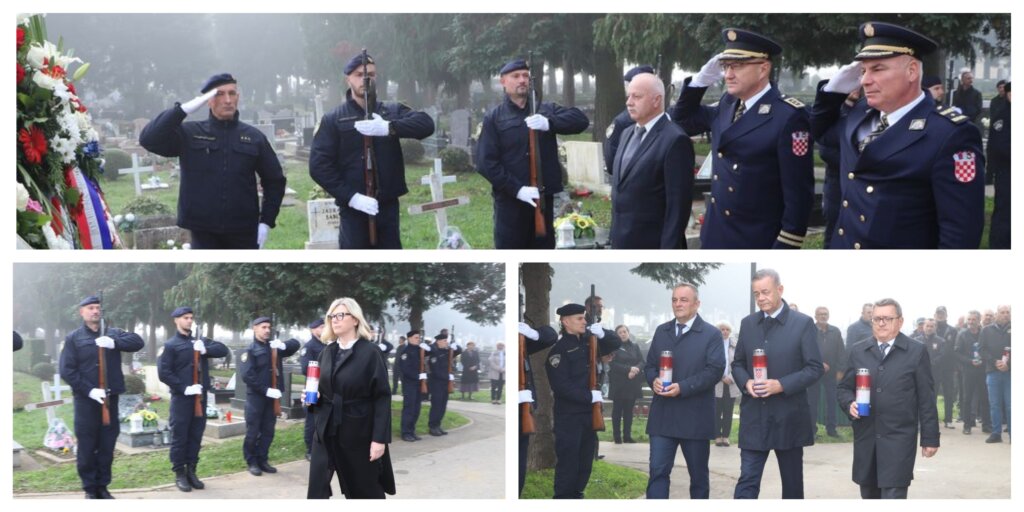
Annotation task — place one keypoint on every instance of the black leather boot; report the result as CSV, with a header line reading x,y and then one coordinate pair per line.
x,y
194,480
181,479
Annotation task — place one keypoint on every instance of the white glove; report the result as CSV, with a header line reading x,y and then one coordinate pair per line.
x,y
846,80
97,394
383,347
196,103
424,346
278,344
453,346
528,194
709,74
538,122
595,396
528,331
194,389
376,127
451,377
596,330
199,346
105,342
365,204
261,234
423,376
525,396
273,393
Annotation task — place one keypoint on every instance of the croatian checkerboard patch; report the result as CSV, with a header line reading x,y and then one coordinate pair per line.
x,y
964,166
800,143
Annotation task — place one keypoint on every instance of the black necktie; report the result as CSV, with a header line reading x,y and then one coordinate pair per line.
x,y
883,123
883,348
740,109
634,143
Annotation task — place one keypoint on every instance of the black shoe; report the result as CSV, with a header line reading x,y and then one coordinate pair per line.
x,y
986,430
994,438
409,438
967,430
416,437
443,431
181,480
254,470
618,441
600,457
949,425
103,494
629,440
436,432
267,468
194,480
91,495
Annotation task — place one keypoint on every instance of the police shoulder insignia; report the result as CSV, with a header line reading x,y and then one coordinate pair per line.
x,y
917,124
764,108
554,360
998,125
954,116
405,356
245,357
608,131
713,105
794,102
160,352
302,352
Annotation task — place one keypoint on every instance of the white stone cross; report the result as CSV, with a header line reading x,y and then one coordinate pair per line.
x,y
134,170
438,204
51,399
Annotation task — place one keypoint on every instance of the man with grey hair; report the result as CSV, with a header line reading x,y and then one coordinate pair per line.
x,y
861,329
774,413
968,352
830,343
652,174
902,401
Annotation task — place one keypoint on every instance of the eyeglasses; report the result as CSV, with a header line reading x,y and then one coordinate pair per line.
x,y
735,66
338,316
879,320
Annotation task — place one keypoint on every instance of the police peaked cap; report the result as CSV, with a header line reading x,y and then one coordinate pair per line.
x,y
316,323
184,310
883,40
645,68
357,62
571,309
746,45
513,65
218,80
260,320
92,299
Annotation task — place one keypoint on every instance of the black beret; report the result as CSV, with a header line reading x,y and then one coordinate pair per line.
x,y
883,40
645,68
260,320
930,81
513,65
92,299
316,323
746,45
1007,86
184,310
410,334
441,336
217,81
571,309
357,62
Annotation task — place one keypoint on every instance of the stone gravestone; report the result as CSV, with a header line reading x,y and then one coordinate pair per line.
x,y
461,129
153,232
438,204
585,165
269,131
433,145
134,170
324,222
138,125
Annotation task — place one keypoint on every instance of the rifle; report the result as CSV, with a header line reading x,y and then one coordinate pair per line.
x,y
526,425
597,412
195,363
102,362
423,362
451,355
273,365
536,172
369,156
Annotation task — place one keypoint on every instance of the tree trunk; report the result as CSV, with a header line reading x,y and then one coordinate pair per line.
x,y
609,98
461,93
584,83
552,81
537,288
151,352
568,82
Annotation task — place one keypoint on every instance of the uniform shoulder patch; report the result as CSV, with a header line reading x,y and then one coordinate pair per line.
x,y
245,357
160,352
302,352
404,356
608,131
794,102
555,360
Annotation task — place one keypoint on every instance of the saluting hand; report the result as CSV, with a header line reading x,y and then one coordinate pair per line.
x,y
710,74
846,80
196,103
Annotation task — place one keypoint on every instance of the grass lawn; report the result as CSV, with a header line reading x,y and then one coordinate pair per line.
x,y
482,396
607,481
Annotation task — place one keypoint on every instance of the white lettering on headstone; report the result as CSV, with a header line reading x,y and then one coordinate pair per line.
x,y
324,222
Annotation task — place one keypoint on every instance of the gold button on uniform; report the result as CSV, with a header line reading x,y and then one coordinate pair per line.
x,y
727,213
841,232
856,245
730,189
850,175
870,189
846,204
862,218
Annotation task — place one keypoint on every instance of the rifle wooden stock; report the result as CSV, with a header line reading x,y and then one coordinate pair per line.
x,y
525,413
195,380
540,229
423,369
451,383
273,380
105,414
371,187
597,412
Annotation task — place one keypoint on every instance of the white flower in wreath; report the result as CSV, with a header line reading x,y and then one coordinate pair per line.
x,y
40,52
53,241
61,91
64,147
45,81
23,197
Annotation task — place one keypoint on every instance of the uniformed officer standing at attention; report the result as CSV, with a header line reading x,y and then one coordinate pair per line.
x,y
220,160
310,352
503,159
174,367
79,367
622,121
568,367
912,176
337,160
260,396
999,161
762,183
437,380
408,364
543,337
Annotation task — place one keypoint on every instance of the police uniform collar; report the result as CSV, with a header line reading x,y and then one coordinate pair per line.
x,y
511,103
97,330
755,98
895,116
351,98
228,123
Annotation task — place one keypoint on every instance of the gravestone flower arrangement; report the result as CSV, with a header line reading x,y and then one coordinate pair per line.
x,y
583,226
60,204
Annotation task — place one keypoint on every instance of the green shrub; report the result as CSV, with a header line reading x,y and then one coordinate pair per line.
x,y
44,371
134,385
145,205
412,151
115,159
455,160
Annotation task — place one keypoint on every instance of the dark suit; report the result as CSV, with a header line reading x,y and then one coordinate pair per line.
x,y
762,184
779,422
920,185
686,420
652,194
902,398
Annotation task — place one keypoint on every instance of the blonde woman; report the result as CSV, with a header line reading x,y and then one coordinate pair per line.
x,y
353,410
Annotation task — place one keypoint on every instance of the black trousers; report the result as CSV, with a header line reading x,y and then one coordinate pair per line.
x,y
514,225
438,401
975,406
826,385
309,429
259,429
355,227
211,240
791,469
574,450
944,381
95,440
723,415
524,450
883,493
496,387
412,402
186,431
622,414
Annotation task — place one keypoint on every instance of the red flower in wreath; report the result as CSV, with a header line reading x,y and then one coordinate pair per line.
x,y
33,142
21,73
21,37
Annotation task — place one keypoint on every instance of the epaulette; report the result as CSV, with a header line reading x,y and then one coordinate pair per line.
x,y
954,116
793,102
713,105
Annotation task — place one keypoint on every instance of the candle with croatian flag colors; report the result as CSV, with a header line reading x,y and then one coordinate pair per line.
x,y
666,369
863,384
312,381
760,365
